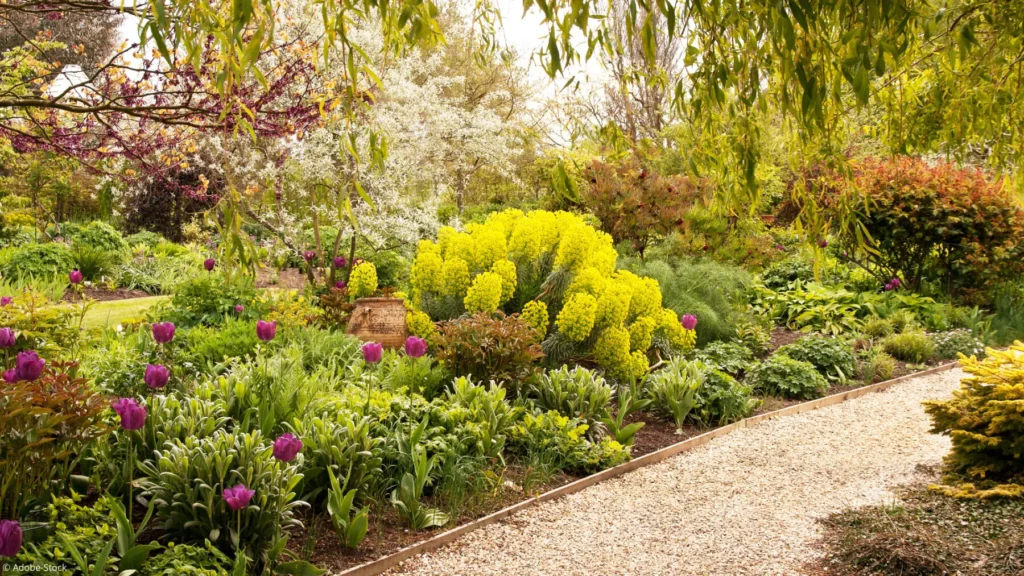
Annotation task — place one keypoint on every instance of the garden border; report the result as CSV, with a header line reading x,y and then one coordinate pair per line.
x,y
378,566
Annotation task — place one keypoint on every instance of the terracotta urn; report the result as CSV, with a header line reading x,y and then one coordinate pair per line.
x,y
379,320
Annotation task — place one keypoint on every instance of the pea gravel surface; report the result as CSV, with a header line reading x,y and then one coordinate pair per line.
x,y
745,503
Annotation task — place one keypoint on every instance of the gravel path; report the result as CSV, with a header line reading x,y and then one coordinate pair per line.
x,y
745,503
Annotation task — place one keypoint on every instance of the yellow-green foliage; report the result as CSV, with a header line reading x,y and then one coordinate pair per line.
x,y
576,319
554,259
363,280
426,269
612,352
985,421
641,333
484,294
455,278
419,324
535,313
507,270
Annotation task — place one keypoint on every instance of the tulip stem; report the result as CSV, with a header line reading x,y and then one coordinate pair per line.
x,y
131,475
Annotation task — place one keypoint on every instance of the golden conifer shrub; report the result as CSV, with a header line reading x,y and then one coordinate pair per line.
x,y
985,421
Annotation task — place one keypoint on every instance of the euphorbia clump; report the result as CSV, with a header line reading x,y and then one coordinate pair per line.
x,y
548,266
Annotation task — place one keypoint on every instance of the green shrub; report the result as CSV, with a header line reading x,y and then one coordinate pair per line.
x,y
730,357
915,347
878,367
99,236
117,364
722,400
949,345
144,238
673,389
93,263
160,274
578,392
210,300
421,376
984,421
781,274
711,291
783,376
187,480
206,346
830,356
37,261
877,328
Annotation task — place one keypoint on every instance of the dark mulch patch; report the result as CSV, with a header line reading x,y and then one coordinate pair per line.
x,y
289,279
925,533
657,433
388,533
104,295
782,336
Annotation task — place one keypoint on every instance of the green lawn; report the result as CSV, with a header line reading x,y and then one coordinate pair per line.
x,y
113,312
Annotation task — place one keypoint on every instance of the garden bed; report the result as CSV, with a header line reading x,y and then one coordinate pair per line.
x,y
389,541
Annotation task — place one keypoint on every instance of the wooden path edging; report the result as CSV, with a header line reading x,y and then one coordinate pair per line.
x,y
378,566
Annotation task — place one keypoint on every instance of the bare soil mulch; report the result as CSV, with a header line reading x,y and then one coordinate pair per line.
x,y
924,533
104,295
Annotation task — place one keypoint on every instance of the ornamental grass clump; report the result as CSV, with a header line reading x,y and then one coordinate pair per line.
x,y
559,273
985,422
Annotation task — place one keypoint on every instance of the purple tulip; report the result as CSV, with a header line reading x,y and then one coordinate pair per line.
x,y
5,301
895,282
689,321
309,255
823,243
415,347
286,447
75,276
340,262
132,415
266,331
29,366
239,308
372,352
846,254
157,375
209,263
11,376
780,247
10,538
238,497
340,285
7,338
163,332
